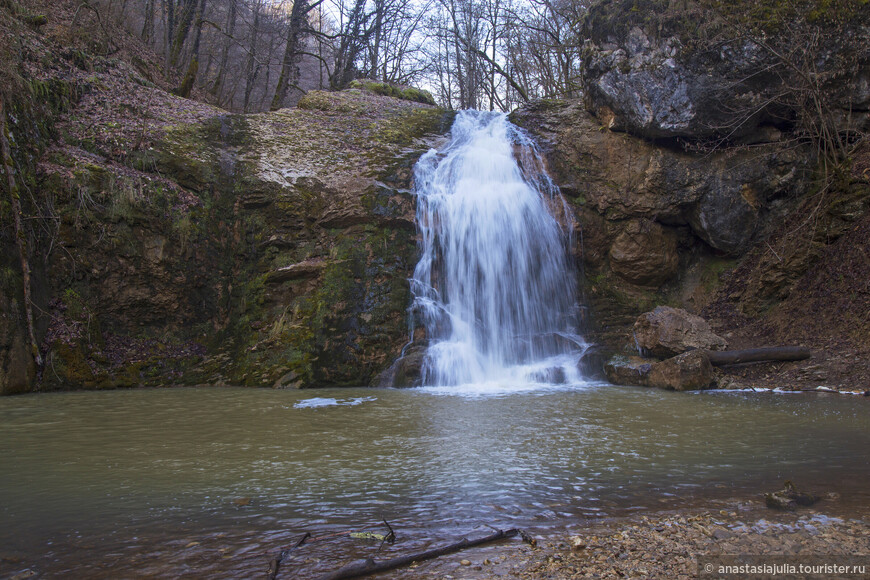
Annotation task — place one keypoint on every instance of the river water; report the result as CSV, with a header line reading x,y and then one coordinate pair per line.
x,y
212,481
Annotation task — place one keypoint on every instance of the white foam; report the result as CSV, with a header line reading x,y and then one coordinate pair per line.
x,y
316,402
495,286
781,391
501,389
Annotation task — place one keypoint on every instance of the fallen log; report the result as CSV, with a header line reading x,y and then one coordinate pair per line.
x,y
369,566
773,353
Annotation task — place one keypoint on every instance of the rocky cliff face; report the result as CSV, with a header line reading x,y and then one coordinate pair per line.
x,y
735,71
659,223
193,246
693,162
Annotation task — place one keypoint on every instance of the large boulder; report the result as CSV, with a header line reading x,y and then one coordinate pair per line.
x,y
667,331
647,73
690,371
640,83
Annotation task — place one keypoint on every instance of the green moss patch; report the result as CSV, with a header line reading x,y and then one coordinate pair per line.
x,y
396,91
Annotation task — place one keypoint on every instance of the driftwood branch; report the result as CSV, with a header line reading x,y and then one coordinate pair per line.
x,y
307,538
275,564
773,353
369,566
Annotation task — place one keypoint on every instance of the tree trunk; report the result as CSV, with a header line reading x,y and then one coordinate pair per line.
x,y
353,40
368,567
375,58
225,52
197,30
292,53
250,71
773,353
20,235
148,26
189,80
183,21
168,27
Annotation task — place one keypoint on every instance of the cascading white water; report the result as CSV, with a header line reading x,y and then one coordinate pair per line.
x,y
494,288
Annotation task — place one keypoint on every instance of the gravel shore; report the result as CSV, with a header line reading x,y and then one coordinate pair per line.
x,y
676,545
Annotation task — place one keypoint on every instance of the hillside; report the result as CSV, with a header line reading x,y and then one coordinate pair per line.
x,y
171,242
166,240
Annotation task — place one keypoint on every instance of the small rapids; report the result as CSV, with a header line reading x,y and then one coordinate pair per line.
x,y
495,288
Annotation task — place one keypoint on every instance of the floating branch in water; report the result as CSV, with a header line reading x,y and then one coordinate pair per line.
x,y
275,564
369,566
307,538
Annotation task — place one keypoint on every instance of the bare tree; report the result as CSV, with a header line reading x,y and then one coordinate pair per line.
x,y
352,40
249,55
252,66
297,29
230,29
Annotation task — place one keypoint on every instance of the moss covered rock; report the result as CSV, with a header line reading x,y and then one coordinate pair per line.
x,y
396,91
262,250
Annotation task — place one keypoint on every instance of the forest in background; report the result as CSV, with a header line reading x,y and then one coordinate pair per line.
x,y
256,55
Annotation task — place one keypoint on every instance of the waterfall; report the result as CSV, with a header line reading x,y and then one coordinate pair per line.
x,y
495,288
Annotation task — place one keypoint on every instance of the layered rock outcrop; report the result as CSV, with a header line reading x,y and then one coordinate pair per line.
x,y
261,250
658,223
696,143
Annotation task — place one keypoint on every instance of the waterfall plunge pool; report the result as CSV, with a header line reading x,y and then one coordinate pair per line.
x,y
210,482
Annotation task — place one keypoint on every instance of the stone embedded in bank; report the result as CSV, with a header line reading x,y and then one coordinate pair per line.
x,y
406,371
628,370
673,334
789,498
690,371
667,331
